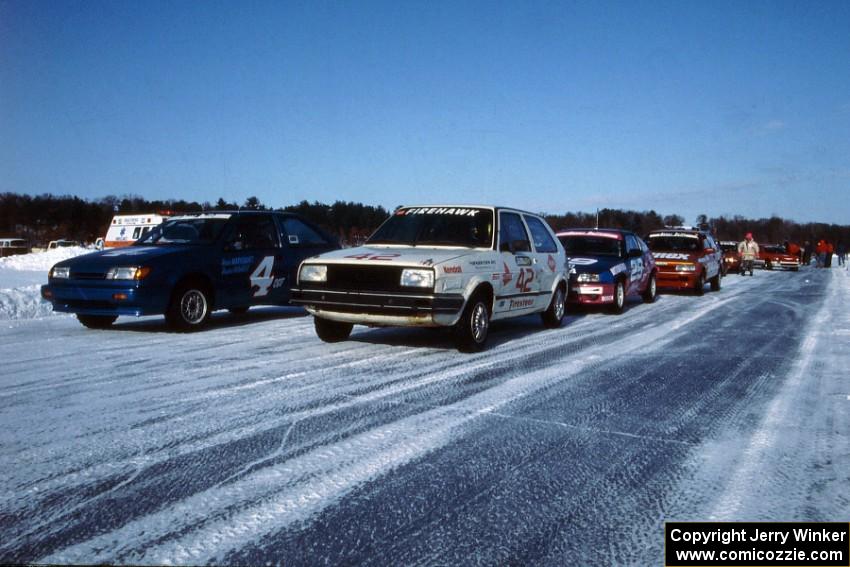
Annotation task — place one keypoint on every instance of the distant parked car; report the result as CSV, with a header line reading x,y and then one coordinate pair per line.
x,y
731,256
687,258
775,256
607,265
53,244
187,267
14,247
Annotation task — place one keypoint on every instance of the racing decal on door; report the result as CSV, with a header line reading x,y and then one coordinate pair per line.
x,y
551,263
637,268
262,277
507,276
523,282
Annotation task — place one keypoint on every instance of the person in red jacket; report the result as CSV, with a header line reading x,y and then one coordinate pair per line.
x,y
820,253
830,249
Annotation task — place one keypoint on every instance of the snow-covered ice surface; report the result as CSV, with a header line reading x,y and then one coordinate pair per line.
x,y
21,278
253,442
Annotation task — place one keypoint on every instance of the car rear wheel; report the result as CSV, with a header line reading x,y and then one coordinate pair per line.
x,y
715,283
553,316
619,298
474,325
651,291
332,331
190,307
96,321
700,289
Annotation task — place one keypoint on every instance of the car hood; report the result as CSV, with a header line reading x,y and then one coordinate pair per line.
x,y
596,264
126,256
394,255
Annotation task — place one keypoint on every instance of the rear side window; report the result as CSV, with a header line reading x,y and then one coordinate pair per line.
x,y
297,233
631,243
543,241
512,233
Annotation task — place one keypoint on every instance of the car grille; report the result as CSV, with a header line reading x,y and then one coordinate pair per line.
x,y
87,275
363,278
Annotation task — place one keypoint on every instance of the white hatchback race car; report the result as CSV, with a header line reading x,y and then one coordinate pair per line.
x,y
447,266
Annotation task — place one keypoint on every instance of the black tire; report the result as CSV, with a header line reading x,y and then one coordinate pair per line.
x,y
619,298
332,331
96,321
238,310
768,266
715,282
700,288
651,292
554,314
190,307
474,325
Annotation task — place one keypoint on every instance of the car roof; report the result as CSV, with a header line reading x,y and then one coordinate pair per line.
x,y
495,208
679,230
619,232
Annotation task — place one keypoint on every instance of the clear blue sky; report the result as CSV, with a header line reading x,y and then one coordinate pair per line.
x,y
682,107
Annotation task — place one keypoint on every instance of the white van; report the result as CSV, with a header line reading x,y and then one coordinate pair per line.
x,y
126,229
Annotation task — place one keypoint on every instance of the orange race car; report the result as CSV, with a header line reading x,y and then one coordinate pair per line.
x,y
687,258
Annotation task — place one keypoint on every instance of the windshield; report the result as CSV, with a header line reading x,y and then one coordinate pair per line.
x,y
184,231
673,244
592,246
437,226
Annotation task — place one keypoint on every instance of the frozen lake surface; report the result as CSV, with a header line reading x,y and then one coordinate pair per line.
x,y
255,443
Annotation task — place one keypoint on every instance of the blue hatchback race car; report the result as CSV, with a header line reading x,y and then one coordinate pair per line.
x,y
188,267
608,265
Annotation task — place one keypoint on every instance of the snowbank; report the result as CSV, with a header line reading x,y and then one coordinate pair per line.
x,y
41,260
21,278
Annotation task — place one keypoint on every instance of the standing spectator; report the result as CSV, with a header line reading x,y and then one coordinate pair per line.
x,y
841,250
749,250
807,253
820,253
830,250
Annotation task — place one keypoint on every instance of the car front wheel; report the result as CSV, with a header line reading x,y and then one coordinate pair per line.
x,y
619,298
700,288
332,331
190,308
715,282
474,325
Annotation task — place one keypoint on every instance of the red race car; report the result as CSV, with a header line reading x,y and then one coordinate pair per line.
x,y
731,256
775,256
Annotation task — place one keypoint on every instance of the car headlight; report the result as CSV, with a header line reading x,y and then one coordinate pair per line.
x,y
587,278
313,273
127,273
60,272
417,278
686,267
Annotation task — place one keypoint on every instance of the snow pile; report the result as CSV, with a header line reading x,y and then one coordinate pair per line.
x,y
41,261
21,278
23,303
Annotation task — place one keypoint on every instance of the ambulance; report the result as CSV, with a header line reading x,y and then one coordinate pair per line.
x,y
126,229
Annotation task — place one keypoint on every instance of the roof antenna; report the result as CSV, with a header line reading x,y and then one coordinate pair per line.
x,y
597,218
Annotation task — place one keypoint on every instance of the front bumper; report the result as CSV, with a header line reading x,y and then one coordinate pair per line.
x,y
677,280
381,308
591,293
108,298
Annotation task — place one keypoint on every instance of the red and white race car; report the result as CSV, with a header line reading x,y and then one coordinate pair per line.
x,y
687,258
